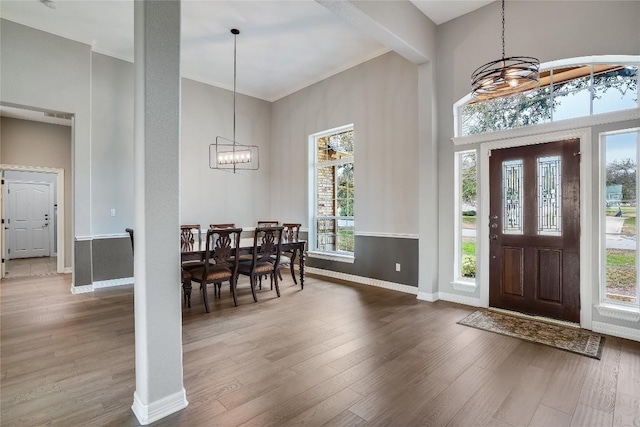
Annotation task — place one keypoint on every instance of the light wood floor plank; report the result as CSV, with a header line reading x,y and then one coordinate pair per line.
x,y
546,416
586,416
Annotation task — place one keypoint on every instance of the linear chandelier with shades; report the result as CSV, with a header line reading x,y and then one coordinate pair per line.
x,y
227,154
505,76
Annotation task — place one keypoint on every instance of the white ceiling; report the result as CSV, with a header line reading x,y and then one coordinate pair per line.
x,y
445,10
283,46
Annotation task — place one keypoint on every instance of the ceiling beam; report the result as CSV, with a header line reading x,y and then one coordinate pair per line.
x,y
399,25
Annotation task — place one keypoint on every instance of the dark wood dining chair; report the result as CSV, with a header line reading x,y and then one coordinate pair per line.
x,y
229,225
130,231
265,255
290,233
221,263
268,223
188,234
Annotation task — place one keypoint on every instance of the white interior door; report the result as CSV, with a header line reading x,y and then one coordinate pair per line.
x,y
29,219
3,241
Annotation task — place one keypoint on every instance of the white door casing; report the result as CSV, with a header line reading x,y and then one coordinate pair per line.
x,y
3,226
586,204
59,201
30,215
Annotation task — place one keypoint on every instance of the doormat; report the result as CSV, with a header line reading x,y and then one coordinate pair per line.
x,y
578,341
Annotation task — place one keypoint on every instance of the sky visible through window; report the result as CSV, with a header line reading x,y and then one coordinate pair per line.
x,y
621,146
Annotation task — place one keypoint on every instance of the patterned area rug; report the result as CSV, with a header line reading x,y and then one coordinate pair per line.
x,y
578,341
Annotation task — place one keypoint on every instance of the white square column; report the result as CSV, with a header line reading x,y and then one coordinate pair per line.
x,y
158,318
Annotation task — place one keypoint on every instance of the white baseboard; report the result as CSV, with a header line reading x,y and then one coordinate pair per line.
x,y
68,270
159,409
423,296
81,289
101,285
113,282
616,331
460,299
444,296
363,280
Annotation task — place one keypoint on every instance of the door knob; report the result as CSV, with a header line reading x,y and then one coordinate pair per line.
x,y
493,237
494,217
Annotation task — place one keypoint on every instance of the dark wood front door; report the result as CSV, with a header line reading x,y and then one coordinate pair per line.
x,y
534,229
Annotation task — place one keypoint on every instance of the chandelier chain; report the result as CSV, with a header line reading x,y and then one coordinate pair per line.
x,y
503,55
235,41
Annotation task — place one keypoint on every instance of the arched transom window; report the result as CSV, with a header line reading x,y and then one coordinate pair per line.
x,y
568,89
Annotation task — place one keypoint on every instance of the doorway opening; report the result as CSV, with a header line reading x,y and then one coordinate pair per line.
x,y
33,232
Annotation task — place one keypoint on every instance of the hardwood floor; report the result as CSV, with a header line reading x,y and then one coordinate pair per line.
x,y
332,354
22,267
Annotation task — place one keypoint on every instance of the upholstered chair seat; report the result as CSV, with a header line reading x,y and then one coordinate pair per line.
x,y
262,267
216,272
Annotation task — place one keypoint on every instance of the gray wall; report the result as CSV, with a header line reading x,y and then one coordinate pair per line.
x,y
111,145
376,258
380,98
569,29
213,196
29,143
46,72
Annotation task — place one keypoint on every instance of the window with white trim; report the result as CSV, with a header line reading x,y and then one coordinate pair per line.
x,y
565,92
332,185
466,208
618,203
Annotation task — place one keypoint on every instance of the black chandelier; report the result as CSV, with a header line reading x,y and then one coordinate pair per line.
x,y
227,154
505,76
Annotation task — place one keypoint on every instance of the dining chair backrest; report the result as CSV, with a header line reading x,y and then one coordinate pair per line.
x,y
229,225
222,246
267,244
130,231
268,223
187,239
291,231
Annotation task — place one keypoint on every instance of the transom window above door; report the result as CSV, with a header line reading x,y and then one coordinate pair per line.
x,y
568,89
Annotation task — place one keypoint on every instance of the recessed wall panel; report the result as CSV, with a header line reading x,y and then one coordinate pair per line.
x,y
512,271
550,275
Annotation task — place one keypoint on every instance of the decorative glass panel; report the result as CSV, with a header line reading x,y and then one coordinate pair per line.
x,y
512,180
550,196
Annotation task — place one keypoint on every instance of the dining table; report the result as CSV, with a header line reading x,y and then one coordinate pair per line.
x,y
196,252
